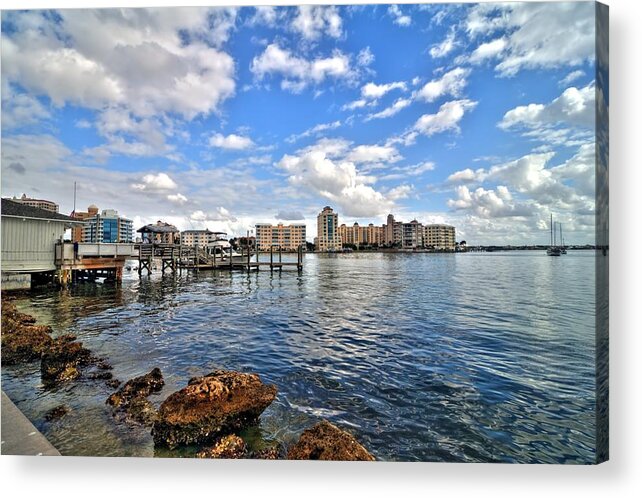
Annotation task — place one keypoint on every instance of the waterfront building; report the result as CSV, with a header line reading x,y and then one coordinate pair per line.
x,y
29,238
361,236
36,203
107,227
412,235
78,232
200,238
327,230
285,237
440,237
160,233
392,231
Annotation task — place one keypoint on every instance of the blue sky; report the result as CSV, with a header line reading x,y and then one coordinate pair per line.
x,y
477,115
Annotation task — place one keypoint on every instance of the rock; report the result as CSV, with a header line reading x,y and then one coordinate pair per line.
x,y
60,363
130,401
230,446
56,413
141,386
325,441
100,376
113,383
270,453
142,411
22,341
219,403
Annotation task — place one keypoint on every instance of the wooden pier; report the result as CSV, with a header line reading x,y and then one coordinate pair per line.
x,y
175,257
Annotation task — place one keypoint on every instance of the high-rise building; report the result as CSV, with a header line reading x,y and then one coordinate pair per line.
x,y
200,238
37,203
440,237
370,235
285,237
327,230
412,235
392,229
108,226
78,232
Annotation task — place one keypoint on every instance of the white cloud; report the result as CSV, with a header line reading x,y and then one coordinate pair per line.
x,y
390,111
451,83
365,57
155,183
314,131
445,47
540,34
134,58
356,104
558,121
373,154
399,18
230,142
311,22
571,77
446,119
488,50
374,91
297,72
484,203
467,176
403,172
177,198
21,109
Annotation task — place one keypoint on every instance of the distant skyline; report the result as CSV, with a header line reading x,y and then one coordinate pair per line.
x,y
476,115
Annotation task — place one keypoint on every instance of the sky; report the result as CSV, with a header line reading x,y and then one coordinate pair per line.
x,y
481,116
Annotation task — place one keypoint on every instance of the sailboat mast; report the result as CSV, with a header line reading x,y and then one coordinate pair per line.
x,y
551,229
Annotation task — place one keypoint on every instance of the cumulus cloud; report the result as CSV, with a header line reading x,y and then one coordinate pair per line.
x,y
399,18
540,35
497,203
230,142
177,198
373,154
567,120
20,109
133,58
311,22
451,83
374,91
447,118
571,77
297,72
488,50
155,183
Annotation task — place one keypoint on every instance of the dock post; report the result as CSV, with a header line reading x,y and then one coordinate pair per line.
x,y
271,257
231,252
280,259
248,256
140,270
299,259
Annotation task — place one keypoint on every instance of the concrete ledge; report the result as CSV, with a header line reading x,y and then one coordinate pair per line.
x,y
19,436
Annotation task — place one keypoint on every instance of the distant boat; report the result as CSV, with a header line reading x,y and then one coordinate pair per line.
x,y
553,250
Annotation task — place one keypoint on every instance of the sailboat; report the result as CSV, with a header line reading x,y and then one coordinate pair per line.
x,y
553,250
563,247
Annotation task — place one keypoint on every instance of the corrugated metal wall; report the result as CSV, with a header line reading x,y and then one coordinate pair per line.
x,y
28,245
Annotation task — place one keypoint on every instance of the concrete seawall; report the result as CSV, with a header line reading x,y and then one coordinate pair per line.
x,y
19,435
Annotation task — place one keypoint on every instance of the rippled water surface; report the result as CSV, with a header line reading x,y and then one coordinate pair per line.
x,y
467,357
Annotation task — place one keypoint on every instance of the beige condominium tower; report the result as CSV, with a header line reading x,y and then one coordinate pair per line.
x,y
327,230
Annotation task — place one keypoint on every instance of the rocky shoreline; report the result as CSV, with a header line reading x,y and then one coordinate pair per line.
x,y
210,412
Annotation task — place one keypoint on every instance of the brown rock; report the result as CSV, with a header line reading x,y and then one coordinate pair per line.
x,y
56,413
221,402
270,453
130,401
61,361
141,386
230,446
22,341
325,441
114,383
